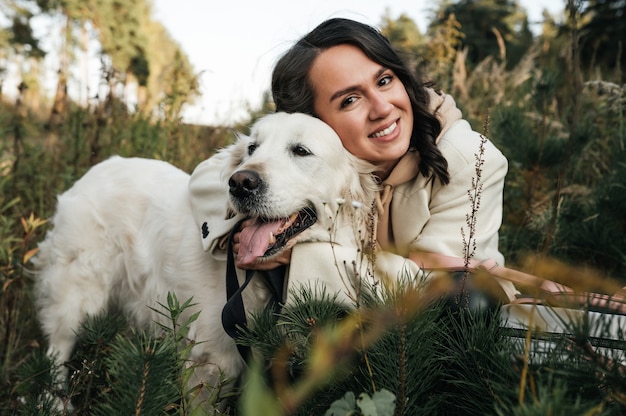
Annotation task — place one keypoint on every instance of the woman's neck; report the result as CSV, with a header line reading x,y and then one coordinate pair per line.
x,y
384,170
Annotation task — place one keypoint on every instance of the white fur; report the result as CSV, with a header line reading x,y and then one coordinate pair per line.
x,y
124,235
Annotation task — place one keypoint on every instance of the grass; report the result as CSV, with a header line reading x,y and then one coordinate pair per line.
x,y
432,361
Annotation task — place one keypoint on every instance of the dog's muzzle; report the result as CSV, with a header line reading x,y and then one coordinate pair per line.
x,y
267,236
244,183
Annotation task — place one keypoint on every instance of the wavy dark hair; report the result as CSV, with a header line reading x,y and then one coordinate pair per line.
x,y
292,91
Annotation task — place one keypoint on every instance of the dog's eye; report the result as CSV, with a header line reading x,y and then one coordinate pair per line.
x,y
251,148
300,151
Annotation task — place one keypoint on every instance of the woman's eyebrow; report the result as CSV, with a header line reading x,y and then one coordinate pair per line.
x,y
349,89
380,72
343,92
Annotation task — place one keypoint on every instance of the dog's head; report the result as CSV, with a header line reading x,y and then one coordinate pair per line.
x,y
293,175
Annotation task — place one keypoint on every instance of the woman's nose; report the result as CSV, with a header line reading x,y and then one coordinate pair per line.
x,y
380,106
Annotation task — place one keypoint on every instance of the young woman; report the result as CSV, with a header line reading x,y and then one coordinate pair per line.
x,y
347,74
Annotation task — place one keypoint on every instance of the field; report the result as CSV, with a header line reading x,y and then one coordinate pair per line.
x,y
563,130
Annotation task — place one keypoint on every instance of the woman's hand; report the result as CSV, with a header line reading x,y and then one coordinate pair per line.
x,y
259,263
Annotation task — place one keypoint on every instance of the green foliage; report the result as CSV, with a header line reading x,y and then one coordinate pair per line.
x,y
49,162
573,161
115,369
16,303
603,29
560,122
87,369
37,377
427,361
487,24
475,356
173,313
560,366
144,372
441,361
121,30
311,308
552,399
441,52
257,398
402,32
21,36
134,49
382,403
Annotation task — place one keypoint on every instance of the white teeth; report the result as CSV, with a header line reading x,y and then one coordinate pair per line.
x,y
386,131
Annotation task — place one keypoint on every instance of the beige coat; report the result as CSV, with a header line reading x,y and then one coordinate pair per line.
x,y
415,213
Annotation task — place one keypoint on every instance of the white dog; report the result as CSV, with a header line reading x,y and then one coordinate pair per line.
x,y
124,234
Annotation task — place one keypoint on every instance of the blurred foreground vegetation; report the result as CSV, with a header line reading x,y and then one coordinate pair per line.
x,y
554,103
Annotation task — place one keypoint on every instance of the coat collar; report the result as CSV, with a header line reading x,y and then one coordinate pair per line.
x,y
407,168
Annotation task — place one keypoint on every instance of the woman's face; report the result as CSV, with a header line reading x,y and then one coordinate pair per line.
x,y
365,103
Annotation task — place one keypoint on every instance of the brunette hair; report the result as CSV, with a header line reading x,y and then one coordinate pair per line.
x,y
292,92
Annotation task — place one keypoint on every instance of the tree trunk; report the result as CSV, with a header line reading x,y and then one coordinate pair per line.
x,y
60,103
84,40
459,75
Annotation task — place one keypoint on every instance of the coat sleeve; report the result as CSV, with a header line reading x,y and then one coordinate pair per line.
x,y
450,205
208,193
342,270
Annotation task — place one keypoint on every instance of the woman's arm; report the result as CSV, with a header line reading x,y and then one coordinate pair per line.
x,y
343,270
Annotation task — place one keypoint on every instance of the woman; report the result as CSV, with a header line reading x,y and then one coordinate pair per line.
x,y
347,74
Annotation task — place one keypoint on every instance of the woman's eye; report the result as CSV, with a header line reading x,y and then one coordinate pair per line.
x,y
348,101
386,80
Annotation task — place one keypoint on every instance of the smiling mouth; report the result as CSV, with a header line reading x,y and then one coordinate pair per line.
x,y
267,237
385,132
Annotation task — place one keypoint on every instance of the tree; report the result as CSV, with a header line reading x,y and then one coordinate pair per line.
x,y
134,50
444,50
71,11
487,25
172,81
434,55
18,41
603,36
121,28
21,36
402,32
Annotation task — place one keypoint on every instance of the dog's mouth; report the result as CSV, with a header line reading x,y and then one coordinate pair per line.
x,y
267,237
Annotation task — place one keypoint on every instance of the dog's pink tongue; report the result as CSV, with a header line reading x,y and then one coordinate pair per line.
x,y
254,240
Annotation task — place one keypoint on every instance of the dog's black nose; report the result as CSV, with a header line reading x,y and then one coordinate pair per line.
x,y
244,183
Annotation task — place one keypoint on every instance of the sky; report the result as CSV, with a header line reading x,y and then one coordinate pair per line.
x,y
234,44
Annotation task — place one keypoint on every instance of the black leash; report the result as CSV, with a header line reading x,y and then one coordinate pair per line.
x,y
234,312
